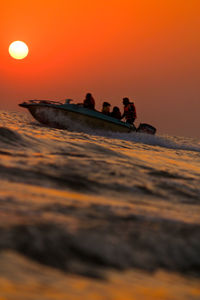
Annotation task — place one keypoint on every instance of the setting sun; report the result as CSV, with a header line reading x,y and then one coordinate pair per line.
x,y
18,50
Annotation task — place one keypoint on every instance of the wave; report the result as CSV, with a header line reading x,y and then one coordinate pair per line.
x,y
147,245
11,137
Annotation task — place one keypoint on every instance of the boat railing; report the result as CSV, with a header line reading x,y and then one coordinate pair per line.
x,y
35,101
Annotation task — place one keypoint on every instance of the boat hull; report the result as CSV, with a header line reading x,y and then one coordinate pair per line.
x,y
57,117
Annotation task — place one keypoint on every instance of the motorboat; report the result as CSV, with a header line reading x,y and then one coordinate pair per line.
x,y
67,115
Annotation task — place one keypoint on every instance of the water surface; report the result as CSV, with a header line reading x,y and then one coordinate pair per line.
x,y
98,209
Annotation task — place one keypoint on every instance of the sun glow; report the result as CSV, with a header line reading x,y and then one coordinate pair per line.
x,y
18,50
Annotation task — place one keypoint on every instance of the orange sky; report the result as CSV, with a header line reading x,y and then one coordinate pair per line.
x,y
143,49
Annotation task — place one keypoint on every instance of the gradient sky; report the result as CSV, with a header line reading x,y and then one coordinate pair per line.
x,y
148,50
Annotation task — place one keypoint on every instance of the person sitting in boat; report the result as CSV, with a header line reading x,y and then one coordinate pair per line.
x,y
68,101
116,113
106,108
129,111
89,101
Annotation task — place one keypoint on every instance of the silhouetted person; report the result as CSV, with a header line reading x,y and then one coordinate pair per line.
x,y
116,113
89,101
106,108
129,111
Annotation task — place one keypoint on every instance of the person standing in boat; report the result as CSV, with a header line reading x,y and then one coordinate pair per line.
x,y
89,101
106,108
129,111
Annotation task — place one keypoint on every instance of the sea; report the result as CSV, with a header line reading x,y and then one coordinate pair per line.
x,y
97,215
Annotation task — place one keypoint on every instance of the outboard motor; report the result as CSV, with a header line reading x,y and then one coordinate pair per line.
x,y
146,128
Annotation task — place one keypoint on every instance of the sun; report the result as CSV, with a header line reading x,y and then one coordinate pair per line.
x,y
18,50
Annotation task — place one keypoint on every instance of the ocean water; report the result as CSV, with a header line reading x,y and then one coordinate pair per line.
x,y
89,214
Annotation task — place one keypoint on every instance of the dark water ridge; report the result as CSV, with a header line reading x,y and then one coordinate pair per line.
x,y
120,242
85,202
